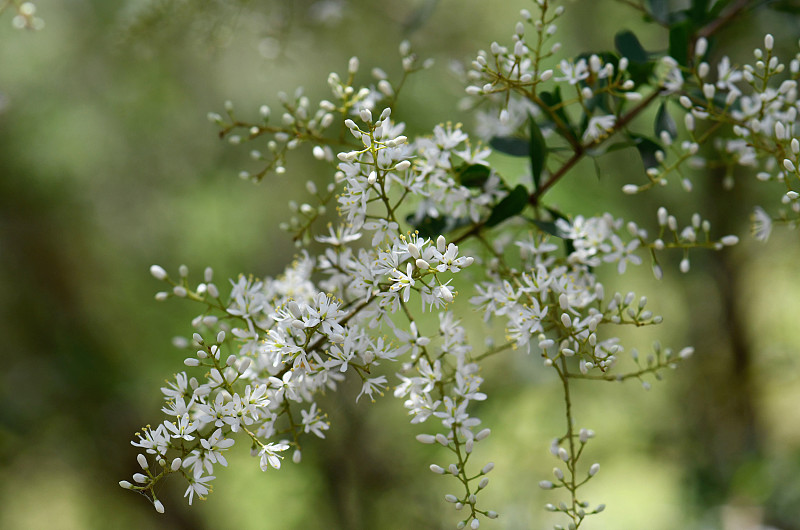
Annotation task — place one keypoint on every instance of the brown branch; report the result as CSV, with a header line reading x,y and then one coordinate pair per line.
x,y
580,151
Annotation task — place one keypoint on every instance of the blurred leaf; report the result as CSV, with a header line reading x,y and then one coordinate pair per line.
x,y
510,145
597,171
474,175
553,100
602,149
699,11
664,122
569,246
659,10
619,145
717,8
429,226
420,16
647,149
548,227
511,205
786,6
679,34
538,153
629,46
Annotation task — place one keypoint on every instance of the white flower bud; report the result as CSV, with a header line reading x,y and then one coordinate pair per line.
x,y
439,470
176,464
142,461
352,65
297,456
630,189
700,47
426,438
688,121
125,484
594,469
212,290
158,272
140,478
487,468
684,265
769,42
483,434
158,506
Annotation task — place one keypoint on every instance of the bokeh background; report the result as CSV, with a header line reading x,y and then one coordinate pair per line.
x,y
108,165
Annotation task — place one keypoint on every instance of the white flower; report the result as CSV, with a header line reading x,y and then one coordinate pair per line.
x,y
214,446
270,457
371,385
599,127
573,72
198,485
403,282
762,224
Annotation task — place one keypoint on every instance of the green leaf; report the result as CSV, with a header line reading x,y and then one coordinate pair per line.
x,y
428,226
510,145
474,175
717,8
659,10
537,153
619,145
511,205
698,12
548,227
664,122
786,6
629,46
553,100
597,171
647,150
679,34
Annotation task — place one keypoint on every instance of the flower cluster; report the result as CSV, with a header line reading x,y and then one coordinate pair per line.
x,y
421,219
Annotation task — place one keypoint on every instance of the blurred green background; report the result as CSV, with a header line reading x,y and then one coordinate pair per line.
x,y
109,165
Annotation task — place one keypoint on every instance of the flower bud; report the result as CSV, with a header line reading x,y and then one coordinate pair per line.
x,y
158,272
